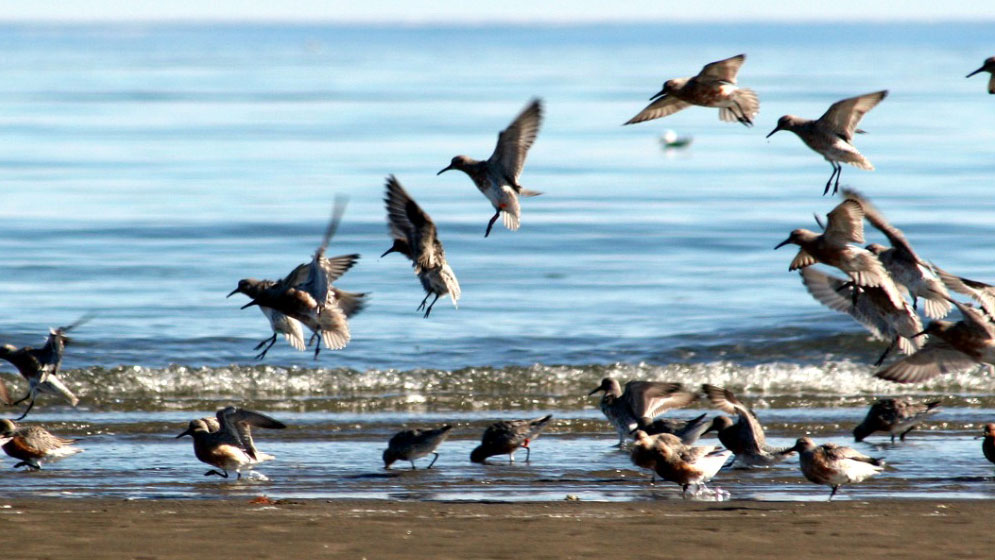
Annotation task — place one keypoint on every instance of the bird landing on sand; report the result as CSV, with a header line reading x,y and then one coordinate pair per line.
x,y
497,177
714,86
832,134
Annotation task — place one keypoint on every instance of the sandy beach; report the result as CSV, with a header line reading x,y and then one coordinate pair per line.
x,y
70,528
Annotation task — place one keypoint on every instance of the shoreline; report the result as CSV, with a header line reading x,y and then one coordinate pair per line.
x,y
163,529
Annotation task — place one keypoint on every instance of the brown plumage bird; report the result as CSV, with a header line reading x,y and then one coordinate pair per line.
x,y
895,416
33,445
714,86
226,441
834,465
508,436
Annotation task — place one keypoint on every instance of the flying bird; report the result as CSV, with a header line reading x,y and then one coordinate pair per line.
x,y
832,134
714,86
415,237
497,177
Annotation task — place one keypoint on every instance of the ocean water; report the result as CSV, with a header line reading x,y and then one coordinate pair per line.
x,y
146,169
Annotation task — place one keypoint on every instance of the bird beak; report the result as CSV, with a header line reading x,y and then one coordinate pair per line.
x,y
233,292
250,304
918,334
387,252
596,389
782,244
658,94
975,72
444,170
186,432
776,128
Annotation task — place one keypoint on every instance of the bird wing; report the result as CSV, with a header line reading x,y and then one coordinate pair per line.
x,y
514,142
409,223
237,423
975,320
661,107
894,235
843,116
845,224
802,259
41,440
982,293
350,303
452,284
934,358
333,325
646,399
723,70
752,433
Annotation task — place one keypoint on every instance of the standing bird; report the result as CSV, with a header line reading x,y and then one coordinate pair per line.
x,y
745,438
226,442
988,66
497,177
307,296
844,225
832,134
951,347
40,366
506,437
714,86
408,445
871,307
415,237
676,462
988,446
895,416
911,274
834,465
639,403
33,445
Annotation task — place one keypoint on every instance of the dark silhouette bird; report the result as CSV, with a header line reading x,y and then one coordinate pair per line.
x,y
408,445
831,135
497,177
507,437
714,86
895,416
40,366
988,66
415,237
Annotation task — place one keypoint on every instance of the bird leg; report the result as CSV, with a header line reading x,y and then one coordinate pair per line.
x,y
835,173
434,459
885,355
222,474
32,465
833,493
424,301
839,171
271,340
742,116
490,224
31,403
528,452
903,434
317,345
429,310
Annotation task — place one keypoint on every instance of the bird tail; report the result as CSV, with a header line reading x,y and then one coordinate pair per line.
x,y
745,108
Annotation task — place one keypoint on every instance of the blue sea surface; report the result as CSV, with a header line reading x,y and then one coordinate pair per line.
x,y
145,169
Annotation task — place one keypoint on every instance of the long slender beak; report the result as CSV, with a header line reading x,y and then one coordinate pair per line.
x,y
773,131
250,304
387,252
444,170
918,334
975,72
186,432
782,244
660,93
233,292
596,389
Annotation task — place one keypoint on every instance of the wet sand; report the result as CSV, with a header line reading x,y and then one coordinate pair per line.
x,y
158,529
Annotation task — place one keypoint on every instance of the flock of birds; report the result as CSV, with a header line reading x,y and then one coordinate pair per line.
x,y
881,291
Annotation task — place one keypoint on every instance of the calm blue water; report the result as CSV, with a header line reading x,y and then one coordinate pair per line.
x,y
145,169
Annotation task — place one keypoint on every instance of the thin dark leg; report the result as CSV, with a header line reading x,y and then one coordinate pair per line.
x,y
22,399
886,352
902,437
222,474
271,340
835,173
239,475
317,346
429,310
839,171
833,493
490,224
528,454
424,301
434,459
742,116
413,465
31,404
